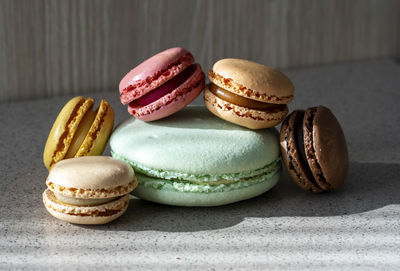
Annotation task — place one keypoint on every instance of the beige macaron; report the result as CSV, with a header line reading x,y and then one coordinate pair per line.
x,y
89,189
248,93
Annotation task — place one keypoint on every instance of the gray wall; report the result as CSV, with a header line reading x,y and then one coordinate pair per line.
x,y
57,47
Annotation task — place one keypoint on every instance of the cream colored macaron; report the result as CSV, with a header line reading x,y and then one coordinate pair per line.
x,y
89,189
247,93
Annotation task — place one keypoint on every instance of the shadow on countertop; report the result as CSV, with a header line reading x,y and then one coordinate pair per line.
x,y
369,186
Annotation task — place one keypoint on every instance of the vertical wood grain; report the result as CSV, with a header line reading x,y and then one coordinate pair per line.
x,y
56,47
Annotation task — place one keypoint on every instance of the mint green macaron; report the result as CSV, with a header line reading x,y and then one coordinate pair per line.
x,y
193,158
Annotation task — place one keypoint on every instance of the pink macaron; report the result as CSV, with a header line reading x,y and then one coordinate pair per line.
x,y
162,84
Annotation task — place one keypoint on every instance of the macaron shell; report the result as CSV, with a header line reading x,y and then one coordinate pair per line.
x,y
204,199
250,118
99,132
99,214
153,72
80,134
108,176
326,147
252,80
194,141
290,153
64,128
172,102
92,193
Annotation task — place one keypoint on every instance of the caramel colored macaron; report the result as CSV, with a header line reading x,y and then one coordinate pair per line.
x,y
314,149
247,93
89,189
79,131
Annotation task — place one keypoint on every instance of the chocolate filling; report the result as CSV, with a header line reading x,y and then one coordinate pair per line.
x,y
242,101
299,139
311,153
165,88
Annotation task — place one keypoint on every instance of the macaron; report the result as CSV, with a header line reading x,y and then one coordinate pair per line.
x,y
89,189
247,93
162,84
79,131
314,149
194,158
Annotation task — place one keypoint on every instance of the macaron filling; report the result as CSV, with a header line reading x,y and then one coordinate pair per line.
x,y
215,179
81,133
166,88
188,187
308,137
100,123
233,98
299,140
82,201
194,183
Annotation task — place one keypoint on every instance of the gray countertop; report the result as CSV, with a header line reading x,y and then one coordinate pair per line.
x,y
356,227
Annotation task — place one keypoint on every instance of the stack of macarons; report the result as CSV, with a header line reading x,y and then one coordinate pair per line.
x,y
82,186
194,157
173,157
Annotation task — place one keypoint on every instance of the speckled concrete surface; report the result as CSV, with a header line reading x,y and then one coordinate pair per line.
x,y
356,227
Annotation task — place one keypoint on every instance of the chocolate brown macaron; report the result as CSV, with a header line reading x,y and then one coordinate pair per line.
x,y
314,149
247,93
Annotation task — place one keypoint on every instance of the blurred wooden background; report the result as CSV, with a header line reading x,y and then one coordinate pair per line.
x,y
58,47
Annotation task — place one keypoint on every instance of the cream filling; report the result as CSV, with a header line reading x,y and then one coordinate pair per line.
x,y
227,178
81,133
82,202
231,97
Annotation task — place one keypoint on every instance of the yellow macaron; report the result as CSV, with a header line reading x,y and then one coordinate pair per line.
x,y
79,131
89,189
